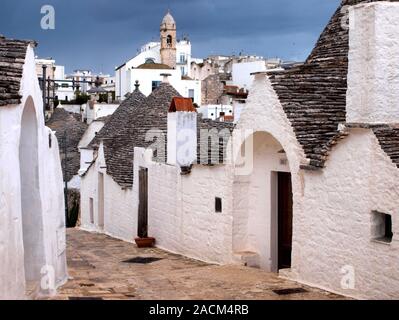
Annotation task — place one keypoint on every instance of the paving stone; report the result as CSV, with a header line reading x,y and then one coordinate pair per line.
x,y
175,277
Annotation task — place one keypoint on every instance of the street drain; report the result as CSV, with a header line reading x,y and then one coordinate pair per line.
x,y
142,260
282,292
85,298
86,284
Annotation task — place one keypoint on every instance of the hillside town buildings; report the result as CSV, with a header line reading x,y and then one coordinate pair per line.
x,y
169,56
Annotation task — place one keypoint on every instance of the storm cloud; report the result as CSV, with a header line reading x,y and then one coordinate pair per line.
x,y
101,34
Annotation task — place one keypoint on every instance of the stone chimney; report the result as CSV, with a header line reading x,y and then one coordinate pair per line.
x,y
165,78
373,75
182,133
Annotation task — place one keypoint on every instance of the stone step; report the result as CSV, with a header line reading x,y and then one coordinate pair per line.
x,y
248,259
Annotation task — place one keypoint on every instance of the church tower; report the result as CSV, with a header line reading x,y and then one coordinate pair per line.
x,y
168,41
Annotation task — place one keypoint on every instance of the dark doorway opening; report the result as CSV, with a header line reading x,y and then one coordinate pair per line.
x,y
284,220
142,231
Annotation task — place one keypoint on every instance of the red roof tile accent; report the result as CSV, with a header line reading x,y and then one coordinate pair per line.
x,y
182,105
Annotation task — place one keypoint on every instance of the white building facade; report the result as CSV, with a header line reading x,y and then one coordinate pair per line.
x,y
180,71
32,232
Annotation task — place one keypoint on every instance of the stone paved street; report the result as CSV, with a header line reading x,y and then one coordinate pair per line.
x,y
97,271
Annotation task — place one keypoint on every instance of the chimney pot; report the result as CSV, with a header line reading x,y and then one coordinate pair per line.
x,y
373,73
165,77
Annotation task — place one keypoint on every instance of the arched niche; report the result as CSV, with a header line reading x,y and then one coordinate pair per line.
x,y
31,207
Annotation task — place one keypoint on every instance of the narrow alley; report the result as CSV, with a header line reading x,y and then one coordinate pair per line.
x,y
103,268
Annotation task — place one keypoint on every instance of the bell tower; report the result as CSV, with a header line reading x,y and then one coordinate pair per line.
x,y
168,41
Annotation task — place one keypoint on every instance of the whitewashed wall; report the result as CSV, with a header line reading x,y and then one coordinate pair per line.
x,y
255,204
103,110
264,120
119,212
332,212
184,86
90,133
182,214
373,78
242,72
75,108
183,47
212,111
52,222
334,231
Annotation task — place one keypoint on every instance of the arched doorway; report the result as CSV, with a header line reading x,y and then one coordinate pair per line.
x,y
262,227
31,209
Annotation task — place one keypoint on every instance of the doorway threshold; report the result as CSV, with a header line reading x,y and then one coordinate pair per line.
x,y
285,273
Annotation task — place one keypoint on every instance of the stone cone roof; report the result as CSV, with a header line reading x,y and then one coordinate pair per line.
x,y
122,136
68,125
12,60
119,119
313,95
132,121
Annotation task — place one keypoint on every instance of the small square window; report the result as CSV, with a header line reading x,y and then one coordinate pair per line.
x,y
218,204
382,227
155,84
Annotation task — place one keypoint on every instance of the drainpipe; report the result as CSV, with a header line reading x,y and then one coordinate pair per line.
x,y
44,76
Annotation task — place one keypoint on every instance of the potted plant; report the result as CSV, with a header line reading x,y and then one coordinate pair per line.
x,y
145,242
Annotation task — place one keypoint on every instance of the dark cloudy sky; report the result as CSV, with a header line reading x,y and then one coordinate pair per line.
x,y
101,34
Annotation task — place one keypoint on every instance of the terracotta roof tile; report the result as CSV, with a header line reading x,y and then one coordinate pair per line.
x,y
182,104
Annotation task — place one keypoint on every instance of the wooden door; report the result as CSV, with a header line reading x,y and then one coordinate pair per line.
x,y
284,220
142,231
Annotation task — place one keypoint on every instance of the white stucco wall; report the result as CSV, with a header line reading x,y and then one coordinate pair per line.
x,y
182,214
263,120
120,82
255,203
334,231
182,138
119,212
332,211
184,87
86,158
145,77
75,108
103,110
212,111
90,133
373,78
242,72
51,219
183,47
